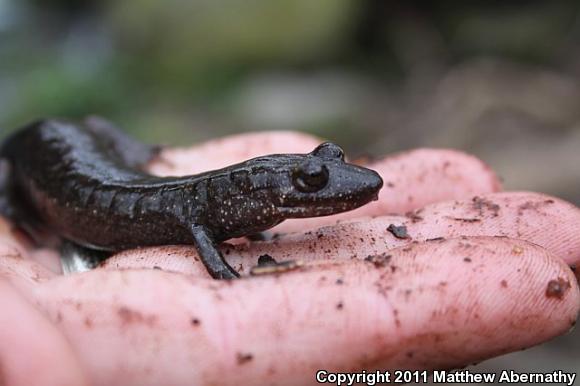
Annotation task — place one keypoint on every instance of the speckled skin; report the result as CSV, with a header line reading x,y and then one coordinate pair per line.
x,y
87,185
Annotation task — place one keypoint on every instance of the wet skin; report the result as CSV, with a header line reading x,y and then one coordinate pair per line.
x,y
88,184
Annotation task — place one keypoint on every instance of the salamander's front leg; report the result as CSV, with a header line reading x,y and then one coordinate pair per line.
x,y
214,262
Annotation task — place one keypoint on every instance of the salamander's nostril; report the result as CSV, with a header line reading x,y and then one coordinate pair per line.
x,y
374,181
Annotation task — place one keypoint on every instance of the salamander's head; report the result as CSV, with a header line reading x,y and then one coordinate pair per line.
x,y
257,194
321,183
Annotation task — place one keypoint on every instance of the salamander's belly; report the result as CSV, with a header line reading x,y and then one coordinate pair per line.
x,y
120,232
112,220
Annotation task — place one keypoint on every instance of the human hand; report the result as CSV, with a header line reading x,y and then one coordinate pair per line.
x,y
448,295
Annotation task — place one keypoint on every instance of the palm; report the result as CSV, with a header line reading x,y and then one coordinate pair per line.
x,y
364,294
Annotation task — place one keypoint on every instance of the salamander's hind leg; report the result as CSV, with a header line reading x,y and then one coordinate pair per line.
x,y
75,258
132,152
214,262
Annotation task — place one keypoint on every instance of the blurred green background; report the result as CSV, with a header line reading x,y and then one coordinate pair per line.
x,y
495,78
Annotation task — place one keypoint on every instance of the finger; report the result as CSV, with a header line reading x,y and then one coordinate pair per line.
x,y
219,153
412,180
33,352
15,262
432,305
547,221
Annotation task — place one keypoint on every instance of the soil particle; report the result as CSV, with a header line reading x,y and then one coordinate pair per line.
x,y
557,288
266,260
339,306
88,323
129,316
195,322
414,217
378,261
13,254
465,220
396,317
503,283
533,205
243,358
467,259
481,204
399,232
339,281
436,239
276,267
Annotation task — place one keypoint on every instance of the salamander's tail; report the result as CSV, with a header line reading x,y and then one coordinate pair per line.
x,y
8,147
133,153
4,174
4,182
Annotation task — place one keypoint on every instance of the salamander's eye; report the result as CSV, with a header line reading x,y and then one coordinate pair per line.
x,y
310,177
329,150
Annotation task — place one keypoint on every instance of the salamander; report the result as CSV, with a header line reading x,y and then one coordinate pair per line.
x,y
88,184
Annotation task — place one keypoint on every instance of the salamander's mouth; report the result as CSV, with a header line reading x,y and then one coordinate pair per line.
x,y
323,210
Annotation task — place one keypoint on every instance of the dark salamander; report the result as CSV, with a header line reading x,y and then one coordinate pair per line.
x,y
88,185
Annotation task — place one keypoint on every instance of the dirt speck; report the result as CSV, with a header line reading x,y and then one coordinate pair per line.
x,y
195,322
557,288
265,260
396,317
481,204
503,283
414,217
274,268
378,261
339,305
467,259
339,281
533,205
243,358
399,231
465,220
129,316
88,323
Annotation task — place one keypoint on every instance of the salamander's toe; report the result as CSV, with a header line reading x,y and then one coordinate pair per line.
x,y
227,273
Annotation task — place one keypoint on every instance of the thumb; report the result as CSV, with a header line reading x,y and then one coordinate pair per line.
x,y
33,351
